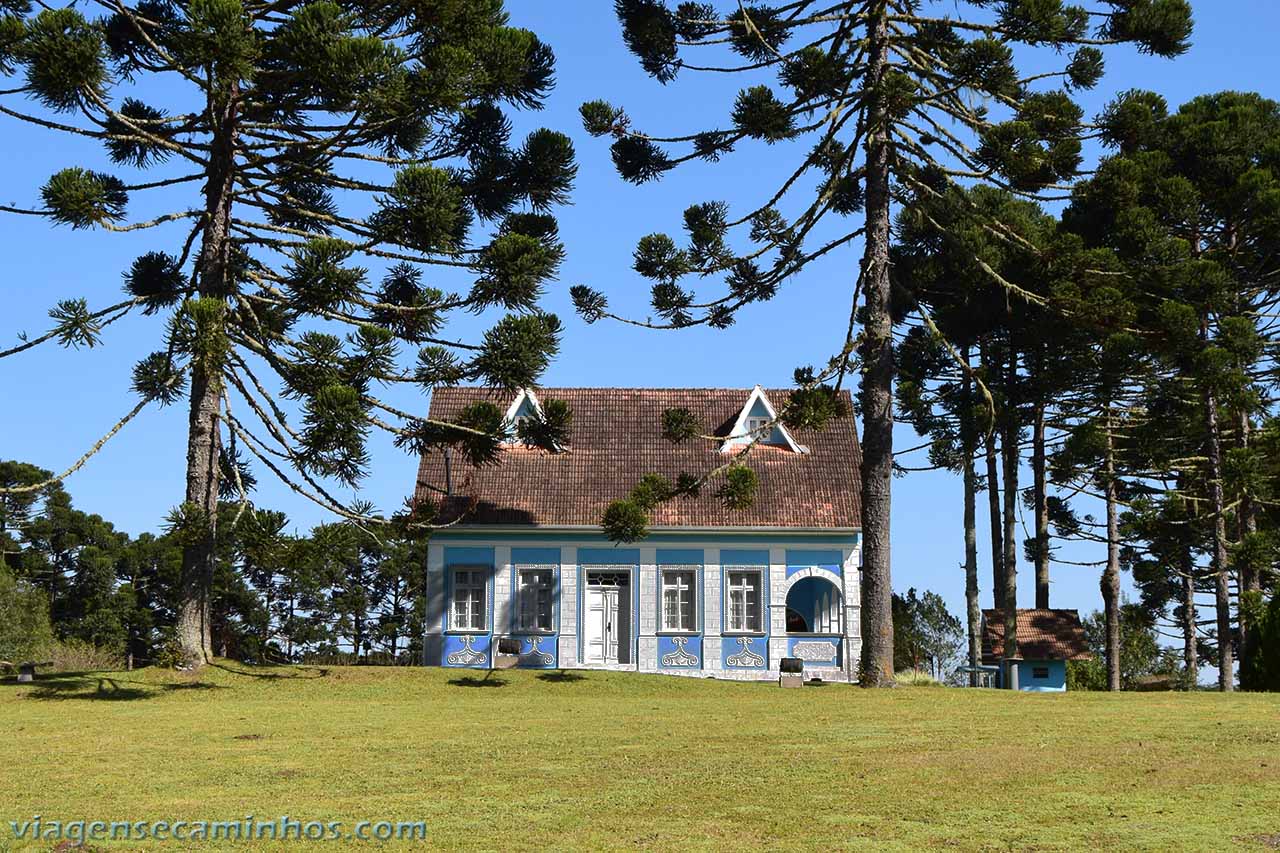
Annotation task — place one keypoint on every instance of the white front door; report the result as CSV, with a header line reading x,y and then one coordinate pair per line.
x,y
601,626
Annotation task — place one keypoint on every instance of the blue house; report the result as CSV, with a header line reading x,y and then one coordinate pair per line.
x,y
1047,639
709,592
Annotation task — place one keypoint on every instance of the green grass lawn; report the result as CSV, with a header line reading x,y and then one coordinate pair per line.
x,y
605,760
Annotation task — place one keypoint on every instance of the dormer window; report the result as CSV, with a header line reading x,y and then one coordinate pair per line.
x,y
522,408
758,421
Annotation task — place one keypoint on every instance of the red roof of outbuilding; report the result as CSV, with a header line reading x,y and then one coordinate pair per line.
x,y
1042,635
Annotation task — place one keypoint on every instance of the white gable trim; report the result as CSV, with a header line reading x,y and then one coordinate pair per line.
x,y
739,435
525,394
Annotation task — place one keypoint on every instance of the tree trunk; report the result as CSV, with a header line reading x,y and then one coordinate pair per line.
x,y
1011,457
1190,653
877,382
1222,589
997,523
993,506
1038,463
973,608
1111,574
1249,579
204,422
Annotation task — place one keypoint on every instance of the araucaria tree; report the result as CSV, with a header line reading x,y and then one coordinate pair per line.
x,y
900,99
1189,203
343,180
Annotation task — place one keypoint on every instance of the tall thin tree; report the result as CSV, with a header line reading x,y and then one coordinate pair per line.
x,y
322,159
887,91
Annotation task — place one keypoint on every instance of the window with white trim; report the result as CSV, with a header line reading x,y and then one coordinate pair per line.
x,y
744,601
469,599
533,593
679,591
756,425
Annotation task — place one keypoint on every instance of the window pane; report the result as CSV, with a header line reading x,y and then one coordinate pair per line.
x,y
678,600
544,610
744,601
469,589
535,599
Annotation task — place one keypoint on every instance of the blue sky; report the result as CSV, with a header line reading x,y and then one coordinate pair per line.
x,y
56,402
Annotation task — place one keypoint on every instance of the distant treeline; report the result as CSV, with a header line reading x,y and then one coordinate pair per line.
x,y
72,584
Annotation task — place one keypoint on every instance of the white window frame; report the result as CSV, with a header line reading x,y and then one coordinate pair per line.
x,y
670,580
482,572
525,608
755,427
730,589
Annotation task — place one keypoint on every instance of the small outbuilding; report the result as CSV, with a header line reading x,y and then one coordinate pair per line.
x,y
1046,640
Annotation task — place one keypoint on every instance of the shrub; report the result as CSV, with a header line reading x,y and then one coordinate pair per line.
x,y
25,631
1088,674
916,678
169,654
78,656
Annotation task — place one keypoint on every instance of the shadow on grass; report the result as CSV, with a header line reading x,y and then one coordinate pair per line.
x,y
99,688
295,671
472,681
561,677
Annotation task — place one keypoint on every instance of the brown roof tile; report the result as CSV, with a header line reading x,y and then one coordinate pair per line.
x,y
1042,635
617,437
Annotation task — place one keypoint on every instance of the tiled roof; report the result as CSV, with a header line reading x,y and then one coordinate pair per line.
x,y
1042,635
616,438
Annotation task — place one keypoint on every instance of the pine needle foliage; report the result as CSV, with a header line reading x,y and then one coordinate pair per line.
x,y
344,178
877,103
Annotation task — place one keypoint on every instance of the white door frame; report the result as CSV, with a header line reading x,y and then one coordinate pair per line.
x,y
606,616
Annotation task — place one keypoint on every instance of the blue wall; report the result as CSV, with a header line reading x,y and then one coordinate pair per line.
x,y
469,649
798,560
1056,682
474,547
537,650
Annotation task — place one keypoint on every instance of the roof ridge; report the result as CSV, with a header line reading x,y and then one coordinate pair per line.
x,y
613,388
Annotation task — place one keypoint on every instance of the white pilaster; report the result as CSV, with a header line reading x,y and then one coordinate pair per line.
x,y
502,596
568,651
852,568
712,616
648,580
433,642
777,592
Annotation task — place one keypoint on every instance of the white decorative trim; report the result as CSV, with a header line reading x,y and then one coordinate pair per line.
x,y
745,657
536,652
818,651
739,431
810,572
525,393
680,657
466,656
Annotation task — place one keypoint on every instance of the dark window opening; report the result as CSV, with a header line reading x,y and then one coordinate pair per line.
x,y
813,606
1039,672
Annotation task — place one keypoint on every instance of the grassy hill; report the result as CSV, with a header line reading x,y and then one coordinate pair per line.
x,y
601,760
